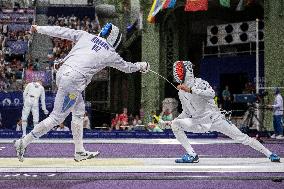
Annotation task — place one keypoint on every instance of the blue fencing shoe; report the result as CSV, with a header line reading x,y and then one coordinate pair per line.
x,y
187,158
274,158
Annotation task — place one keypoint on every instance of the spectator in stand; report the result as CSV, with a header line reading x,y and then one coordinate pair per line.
x,y
153,118
153,122
153,127
216,97
249,88
19,125
114,122
130,121
141,114
226,96
136,121
123,120
166,119
36,65
62,127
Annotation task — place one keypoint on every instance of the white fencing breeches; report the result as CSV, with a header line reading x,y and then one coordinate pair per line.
x,y
68,99
219,125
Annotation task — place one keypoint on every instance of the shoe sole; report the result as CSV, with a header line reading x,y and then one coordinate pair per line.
x,y
89,157
275,161
196,161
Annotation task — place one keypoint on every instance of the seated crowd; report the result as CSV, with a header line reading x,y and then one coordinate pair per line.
x,y
14,42
153,122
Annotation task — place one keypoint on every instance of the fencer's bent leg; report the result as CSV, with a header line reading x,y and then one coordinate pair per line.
x,y
229,129
77,124
178,128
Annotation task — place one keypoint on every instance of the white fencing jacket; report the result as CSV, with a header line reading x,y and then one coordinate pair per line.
x,y
199,104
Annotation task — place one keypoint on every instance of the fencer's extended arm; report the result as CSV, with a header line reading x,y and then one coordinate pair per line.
x,y
203,89
117,62
42,99
61,32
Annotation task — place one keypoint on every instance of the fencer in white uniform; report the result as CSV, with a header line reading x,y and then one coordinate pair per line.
x,y
90,54
32,93
200,114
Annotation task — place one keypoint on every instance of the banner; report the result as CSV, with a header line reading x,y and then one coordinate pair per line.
x,y
7,11
44,76
19,27
17,47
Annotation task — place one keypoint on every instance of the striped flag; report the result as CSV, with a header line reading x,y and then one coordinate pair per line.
x,y
156,7
196,5
169,4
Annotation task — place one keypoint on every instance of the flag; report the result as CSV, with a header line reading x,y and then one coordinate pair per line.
x,y
225,3
169,4
196,5
156,7
240,6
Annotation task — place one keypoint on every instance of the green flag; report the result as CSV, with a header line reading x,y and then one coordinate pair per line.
x,y
225,3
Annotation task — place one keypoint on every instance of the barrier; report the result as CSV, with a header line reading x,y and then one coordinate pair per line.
x,y
109,134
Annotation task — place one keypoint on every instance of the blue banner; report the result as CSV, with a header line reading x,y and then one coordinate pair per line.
x,y
108,134
17,47
8,99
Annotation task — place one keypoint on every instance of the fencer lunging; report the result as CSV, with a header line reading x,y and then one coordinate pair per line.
x,y
90,54
200,114
32,93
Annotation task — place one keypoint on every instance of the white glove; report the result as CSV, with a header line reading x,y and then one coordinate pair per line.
x,y
45,112
144,66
